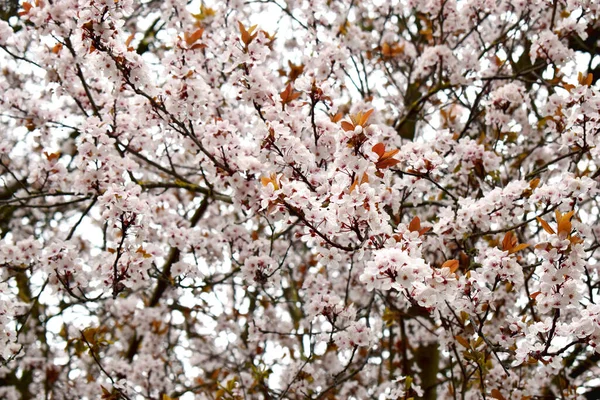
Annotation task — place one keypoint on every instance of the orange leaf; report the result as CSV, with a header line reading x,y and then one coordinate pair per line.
x,y
379,148
347,126
415,224
509,241
585,80
364,179
335,118
194,36
57,48
546,226
534,183
589,79
361,118
497,395
288,94
424,231
463,341
564,222
271,179
353,186
365,117
390,154
26,7
198,46
295,72
129,39
568,87
390,162
247,36
386,50
52,156
518,247
576,239
452,264
534,295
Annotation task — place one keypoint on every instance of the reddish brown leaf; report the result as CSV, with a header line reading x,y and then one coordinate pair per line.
x,y
365,117
497,395
463,341
564,222
509,241
452,264
518,247
335,118
386,163
546,226
379,148
288,95
26,7
191,38
347,126
424,230
247,36
415,224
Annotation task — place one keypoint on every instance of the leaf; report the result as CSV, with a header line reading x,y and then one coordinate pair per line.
x,y
347,126
26,7
129,39
518,247
509,241
335,118
534,295
568,87
364,179
288,95
363,118
57,48
191,38
198,46
270,179
534,183
546,226
564,222
587,80
463,341
52,156
143,252
105,393
575,240
353,186
452,264
205,12
424,230
295,72
386,163
379,149
385,157
415,224
391,153
497,395
247,36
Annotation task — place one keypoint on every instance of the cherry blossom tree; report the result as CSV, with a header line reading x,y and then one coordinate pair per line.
x,y
303,199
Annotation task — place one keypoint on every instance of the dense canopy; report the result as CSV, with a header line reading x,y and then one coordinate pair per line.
x,y
303,199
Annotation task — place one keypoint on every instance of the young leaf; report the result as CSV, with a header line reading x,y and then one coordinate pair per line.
x,y
546,226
